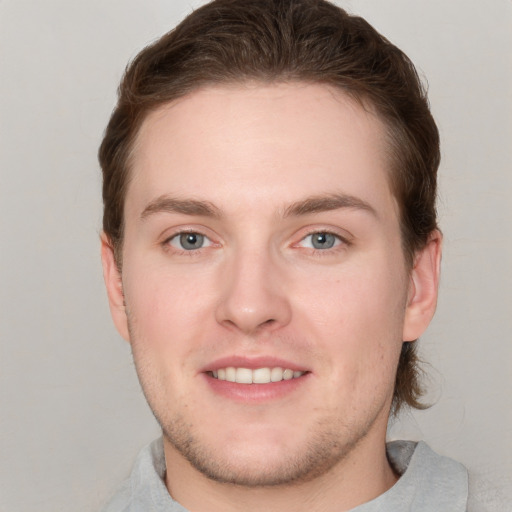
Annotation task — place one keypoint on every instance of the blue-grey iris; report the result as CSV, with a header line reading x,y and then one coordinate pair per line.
x,y
322,240
191,241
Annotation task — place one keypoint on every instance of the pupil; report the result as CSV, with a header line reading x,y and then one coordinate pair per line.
x,y
323,240
191,241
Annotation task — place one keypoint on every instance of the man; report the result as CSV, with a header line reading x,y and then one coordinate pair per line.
x,y
271,253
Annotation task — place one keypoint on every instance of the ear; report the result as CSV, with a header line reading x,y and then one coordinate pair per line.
x,y
423,287
114,285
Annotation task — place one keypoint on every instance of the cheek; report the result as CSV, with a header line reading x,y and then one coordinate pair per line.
x,y
163,320
357,316
362,299
165,309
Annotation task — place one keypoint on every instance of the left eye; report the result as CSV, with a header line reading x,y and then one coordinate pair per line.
x,y
189,241
321,240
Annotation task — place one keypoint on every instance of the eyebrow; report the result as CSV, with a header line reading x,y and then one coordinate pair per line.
x,y
324,203
167,204
314,204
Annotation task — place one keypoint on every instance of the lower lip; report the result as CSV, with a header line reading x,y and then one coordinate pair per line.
x,y
255,393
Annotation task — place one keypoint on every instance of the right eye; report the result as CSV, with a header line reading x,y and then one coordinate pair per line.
x,y
321,240
189,241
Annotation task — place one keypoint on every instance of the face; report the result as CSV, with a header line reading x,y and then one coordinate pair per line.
x,y
266,291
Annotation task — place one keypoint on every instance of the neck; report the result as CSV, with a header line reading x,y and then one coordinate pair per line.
x,y
361,476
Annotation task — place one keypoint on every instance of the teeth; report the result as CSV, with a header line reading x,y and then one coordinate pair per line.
x,y
243,376
287,374
261,375
231,374
258,376
276,374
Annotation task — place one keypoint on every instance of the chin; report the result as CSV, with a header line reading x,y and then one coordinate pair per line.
x,y
264,462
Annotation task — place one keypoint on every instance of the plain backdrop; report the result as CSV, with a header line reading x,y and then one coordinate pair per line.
x,y
72,417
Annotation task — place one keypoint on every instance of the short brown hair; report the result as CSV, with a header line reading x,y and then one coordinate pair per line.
x,y
229,41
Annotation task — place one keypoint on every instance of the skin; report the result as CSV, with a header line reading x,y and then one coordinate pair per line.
x,y
254,169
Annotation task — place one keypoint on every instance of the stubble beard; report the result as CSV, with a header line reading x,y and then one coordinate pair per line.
x,y
330,441
325,449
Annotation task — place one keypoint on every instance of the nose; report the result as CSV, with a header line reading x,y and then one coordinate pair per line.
x,y
253,297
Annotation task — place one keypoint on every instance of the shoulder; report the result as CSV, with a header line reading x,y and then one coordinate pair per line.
x,y
145,489
428,480
417,459
486,495
436,475
120,502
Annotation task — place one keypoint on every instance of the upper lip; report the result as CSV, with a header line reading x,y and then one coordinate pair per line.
x,y
252,363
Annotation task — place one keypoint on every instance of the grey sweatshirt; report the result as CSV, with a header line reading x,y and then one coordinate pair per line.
x,y
428,483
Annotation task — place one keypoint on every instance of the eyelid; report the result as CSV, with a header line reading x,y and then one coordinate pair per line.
x,y
177,231
342,235
338,241
177,237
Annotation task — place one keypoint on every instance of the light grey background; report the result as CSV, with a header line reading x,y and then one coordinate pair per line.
x,y
72,416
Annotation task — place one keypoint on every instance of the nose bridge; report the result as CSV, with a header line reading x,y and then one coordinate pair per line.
x,y
252,295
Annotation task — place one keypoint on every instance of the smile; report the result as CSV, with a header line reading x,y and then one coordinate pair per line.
x,y
256,376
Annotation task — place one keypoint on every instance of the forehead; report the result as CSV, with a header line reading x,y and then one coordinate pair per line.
x,y
270,142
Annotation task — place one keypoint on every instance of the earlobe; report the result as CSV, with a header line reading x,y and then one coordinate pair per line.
x,y
114,286
423,288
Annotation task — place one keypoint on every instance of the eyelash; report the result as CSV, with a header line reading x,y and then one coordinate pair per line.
x,y
166,244
340,243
